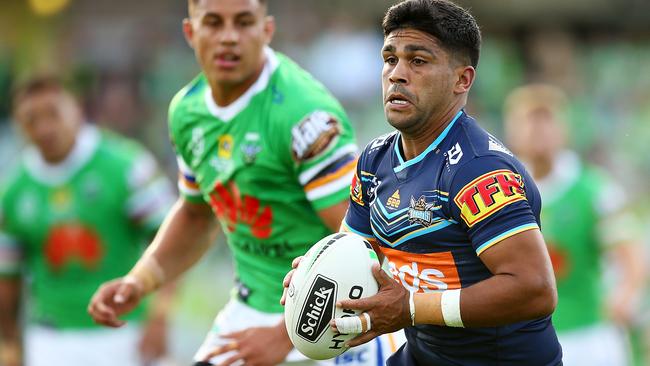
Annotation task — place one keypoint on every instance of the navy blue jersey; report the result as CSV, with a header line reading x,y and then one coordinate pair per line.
x,y
433,216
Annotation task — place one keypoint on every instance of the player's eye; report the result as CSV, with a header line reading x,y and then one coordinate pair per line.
x,y
245,22
418,61
391,60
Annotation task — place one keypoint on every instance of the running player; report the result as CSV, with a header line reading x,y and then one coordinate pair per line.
x,y
453,211
266,150
74,214
585,220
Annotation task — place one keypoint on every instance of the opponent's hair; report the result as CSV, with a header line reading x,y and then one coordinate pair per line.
x,y
533,97
192,3
453,26
36,85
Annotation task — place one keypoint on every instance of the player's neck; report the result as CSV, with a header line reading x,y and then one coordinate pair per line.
x,y
415,142
225,94
541,167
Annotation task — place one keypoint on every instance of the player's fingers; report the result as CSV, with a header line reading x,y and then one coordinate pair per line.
x,y
287,278
352,324
296,261
381,276
283,299
230,346
363,338
359,304
105,315
124,293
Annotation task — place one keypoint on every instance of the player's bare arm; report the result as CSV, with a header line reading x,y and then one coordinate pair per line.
x,y
522,288
11,345
187,232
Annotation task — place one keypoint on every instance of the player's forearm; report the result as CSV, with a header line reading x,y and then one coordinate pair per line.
x,y
183,238
499,300
10,334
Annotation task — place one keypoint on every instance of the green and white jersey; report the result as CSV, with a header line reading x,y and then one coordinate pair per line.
x,y
70,227
581,216
266,164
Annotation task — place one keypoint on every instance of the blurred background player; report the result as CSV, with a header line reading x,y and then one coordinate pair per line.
x,y
264,149
74,214
587,229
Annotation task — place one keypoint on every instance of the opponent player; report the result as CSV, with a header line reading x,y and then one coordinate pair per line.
x,y
585,221
74,214
264,148
453,211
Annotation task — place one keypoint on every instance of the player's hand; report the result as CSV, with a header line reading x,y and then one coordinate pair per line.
x,y
10,354
113,299
259,346
388,309
287,278
622,307
153,342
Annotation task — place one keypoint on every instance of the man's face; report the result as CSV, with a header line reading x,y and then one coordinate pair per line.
x,y
49,119
418,79
228,38
536,133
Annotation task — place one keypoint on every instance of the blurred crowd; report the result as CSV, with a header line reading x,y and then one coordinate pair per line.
x,y
126,59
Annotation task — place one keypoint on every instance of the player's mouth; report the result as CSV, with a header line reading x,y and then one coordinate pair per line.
x,y
227,60
397,101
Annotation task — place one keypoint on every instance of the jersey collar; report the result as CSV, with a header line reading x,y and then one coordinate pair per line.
x,y
86,142
403,164
564,173
228,112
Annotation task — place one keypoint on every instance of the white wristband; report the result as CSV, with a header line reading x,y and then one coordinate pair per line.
x,y
412,307
450,305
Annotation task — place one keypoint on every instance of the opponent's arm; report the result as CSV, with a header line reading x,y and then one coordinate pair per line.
x,y
187,232
333,215
10,335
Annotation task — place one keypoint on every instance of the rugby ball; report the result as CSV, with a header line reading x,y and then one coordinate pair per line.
x,y
338,267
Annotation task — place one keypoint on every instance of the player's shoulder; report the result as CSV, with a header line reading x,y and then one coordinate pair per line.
x,y
189,98
472,145
296,94
374,152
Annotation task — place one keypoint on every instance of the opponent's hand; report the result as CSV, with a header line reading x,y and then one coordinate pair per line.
x,y
287,278
260,346
153,342
113,299
388,309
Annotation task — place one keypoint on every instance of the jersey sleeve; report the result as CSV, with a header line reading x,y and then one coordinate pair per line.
x,y
324,151
10,250
150,192
187,186
492,200
357,218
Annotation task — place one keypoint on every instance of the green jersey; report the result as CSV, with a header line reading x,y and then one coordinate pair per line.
x,y
266,164
579,221
74,225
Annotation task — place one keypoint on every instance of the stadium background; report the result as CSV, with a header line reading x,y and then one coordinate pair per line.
x,y
126,59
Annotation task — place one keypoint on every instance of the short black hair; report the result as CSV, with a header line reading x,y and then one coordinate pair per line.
x,y
36,85
453,26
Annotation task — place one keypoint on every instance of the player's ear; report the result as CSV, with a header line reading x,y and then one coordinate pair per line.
x,y
188,31
269,28
464,79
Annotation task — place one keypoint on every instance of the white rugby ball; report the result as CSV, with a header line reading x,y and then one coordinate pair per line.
x,y
338,267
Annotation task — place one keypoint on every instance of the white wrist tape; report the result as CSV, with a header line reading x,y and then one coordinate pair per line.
x,y
147,274
353,324
450,305
412,307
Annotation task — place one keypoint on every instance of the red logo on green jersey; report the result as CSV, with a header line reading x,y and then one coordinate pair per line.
x,y
559,259
72,242
231,208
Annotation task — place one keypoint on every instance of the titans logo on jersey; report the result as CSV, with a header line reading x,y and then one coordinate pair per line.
x,y
434,215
